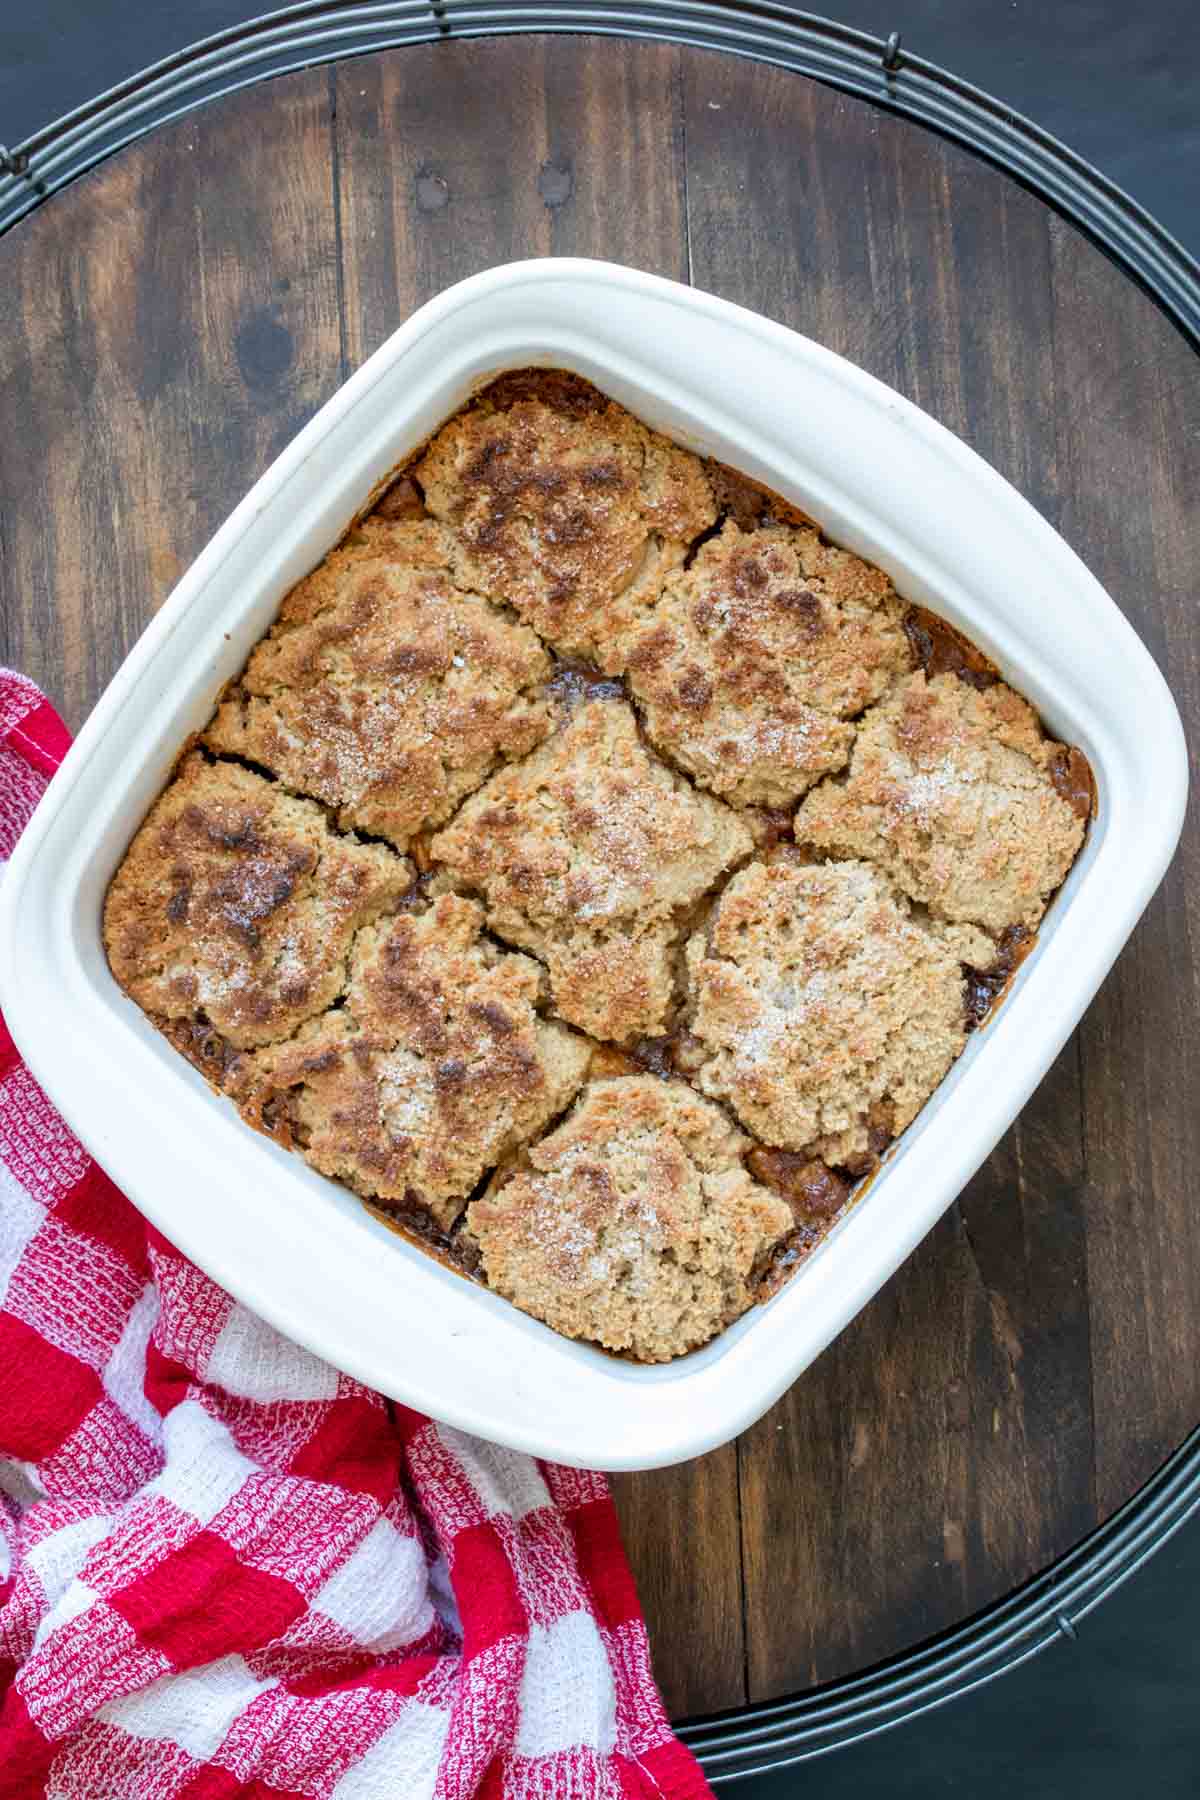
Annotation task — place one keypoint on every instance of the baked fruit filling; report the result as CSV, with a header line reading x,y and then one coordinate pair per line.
x,y
594,869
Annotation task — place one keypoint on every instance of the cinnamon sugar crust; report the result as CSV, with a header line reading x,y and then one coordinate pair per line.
x,y
385,689
575,517
757,656
436,1066
587,854
634,1223
237,906
952,790
594,869
822,1003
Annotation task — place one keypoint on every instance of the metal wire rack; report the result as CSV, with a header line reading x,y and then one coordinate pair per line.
x,y
310,33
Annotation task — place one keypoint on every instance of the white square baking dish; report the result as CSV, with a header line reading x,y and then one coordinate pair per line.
x,y
884,480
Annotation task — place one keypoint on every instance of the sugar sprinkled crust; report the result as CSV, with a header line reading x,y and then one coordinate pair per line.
x,y
436,1066
635,1223
378,1020
758,654
235,901
951,791
587,853
824,1008
574,515
384,689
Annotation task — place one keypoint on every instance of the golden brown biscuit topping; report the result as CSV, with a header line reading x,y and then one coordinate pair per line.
x,y
818,999
635,1223
384,689
630,713
952,791
437,1065
574,517
588,853
236,906
756,656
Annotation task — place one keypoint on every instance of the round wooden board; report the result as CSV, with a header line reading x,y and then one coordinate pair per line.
x,y
174,317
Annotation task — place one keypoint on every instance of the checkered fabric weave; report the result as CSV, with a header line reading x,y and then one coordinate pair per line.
x,y
227,1570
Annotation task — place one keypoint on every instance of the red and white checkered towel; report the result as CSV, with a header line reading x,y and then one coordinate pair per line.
x,y
227,1570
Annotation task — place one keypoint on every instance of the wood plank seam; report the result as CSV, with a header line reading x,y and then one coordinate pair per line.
x,y
743,1584
1081,1090
339,247
681,104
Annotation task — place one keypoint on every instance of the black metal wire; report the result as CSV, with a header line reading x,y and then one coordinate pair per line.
x,y
1048,1609
328,30
1045,1612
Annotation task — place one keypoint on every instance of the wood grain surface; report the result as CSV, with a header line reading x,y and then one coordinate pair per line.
x,y
171,320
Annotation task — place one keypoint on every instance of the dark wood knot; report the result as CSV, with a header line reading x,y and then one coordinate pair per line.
x,y
556,182
433,192
264,350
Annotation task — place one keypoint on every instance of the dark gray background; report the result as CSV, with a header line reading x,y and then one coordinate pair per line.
x,y
1119,1711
